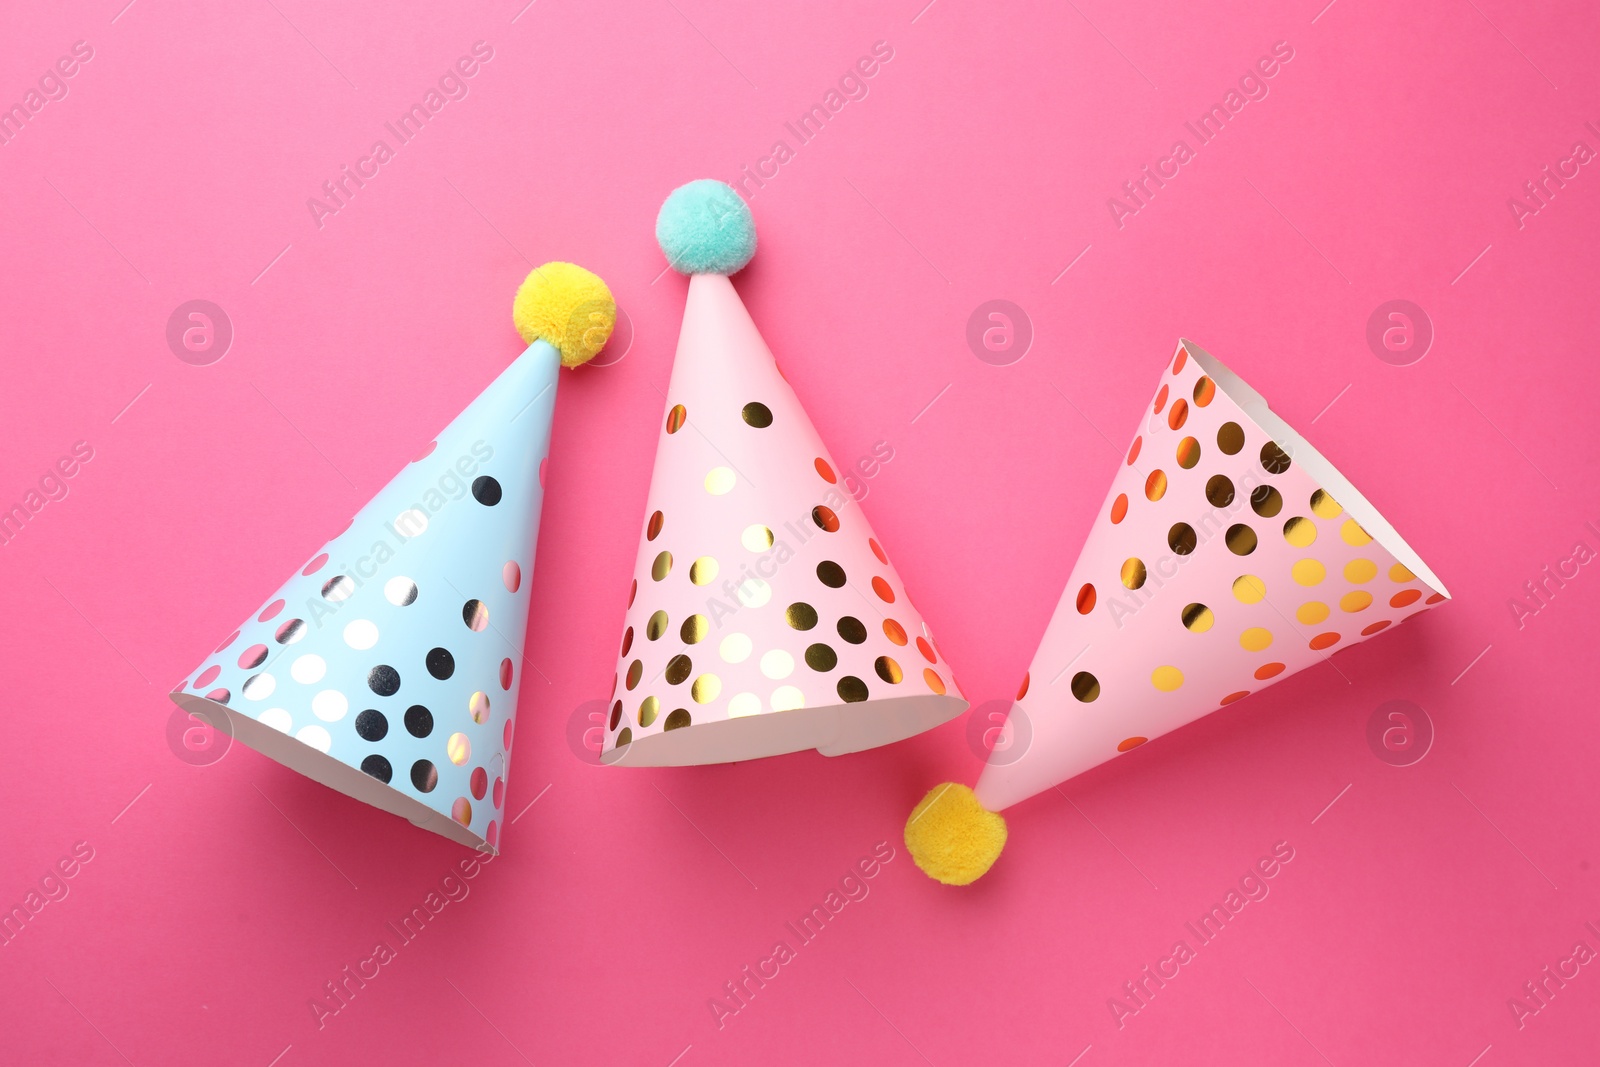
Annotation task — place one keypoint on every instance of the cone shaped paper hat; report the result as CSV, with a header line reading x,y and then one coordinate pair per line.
x,y
764,616
1228,555
388,666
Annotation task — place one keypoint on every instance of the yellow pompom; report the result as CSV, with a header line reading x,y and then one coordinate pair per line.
x,y
568,307
952,837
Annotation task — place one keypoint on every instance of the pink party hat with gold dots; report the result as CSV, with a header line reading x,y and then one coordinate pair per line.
x,y
764,615
1228,555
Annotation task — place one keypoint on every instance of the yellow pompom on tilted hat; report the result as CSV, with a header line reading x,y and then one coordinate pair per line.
x,y
953,837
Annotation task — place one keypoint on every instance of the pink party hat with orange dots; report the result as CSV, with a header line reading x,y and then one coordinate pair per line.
x,y
764,615
1228,555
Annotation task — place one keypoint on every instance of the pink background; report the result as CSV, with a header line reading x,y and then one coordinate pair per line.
x,y
221,897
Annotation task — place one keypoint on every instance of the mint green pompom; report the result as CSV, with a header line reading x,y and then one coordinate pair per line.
x,y
706,228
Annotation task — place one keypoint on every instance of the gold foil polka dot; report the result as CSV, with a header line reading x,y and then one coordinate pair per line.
x,y
1119,508
478,707
756,538
743,704
1205,390
1308,572
1197,618
1230,438
1322,641
852,629
757,415
888,670
705,688
656,626
703,570
1166,678
1133,449
677,719
1241,539
653,530
720,480
1323,506
662,566
1155,486
1300,532
1085,687
1274,460
1188,453
820,657
625,737
1401,573
934,682
852,690
800,615
1219,490
825,519
894,631
458,748
1311,612
1181,538
1255,639
1358,571
830,574
1353,534
678,669
1359,600
676,418
648,710
1248,589
1266,501
1133,573
635,672
1179,414
1086,600
694,629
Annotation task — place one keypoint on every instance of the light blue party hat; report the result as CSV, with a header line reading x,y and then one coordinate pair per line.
x,y
388,666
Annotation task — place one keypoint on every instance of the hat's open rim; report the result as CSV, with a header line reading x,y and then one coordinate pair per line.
x,y
1325,474
321,767
833,730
